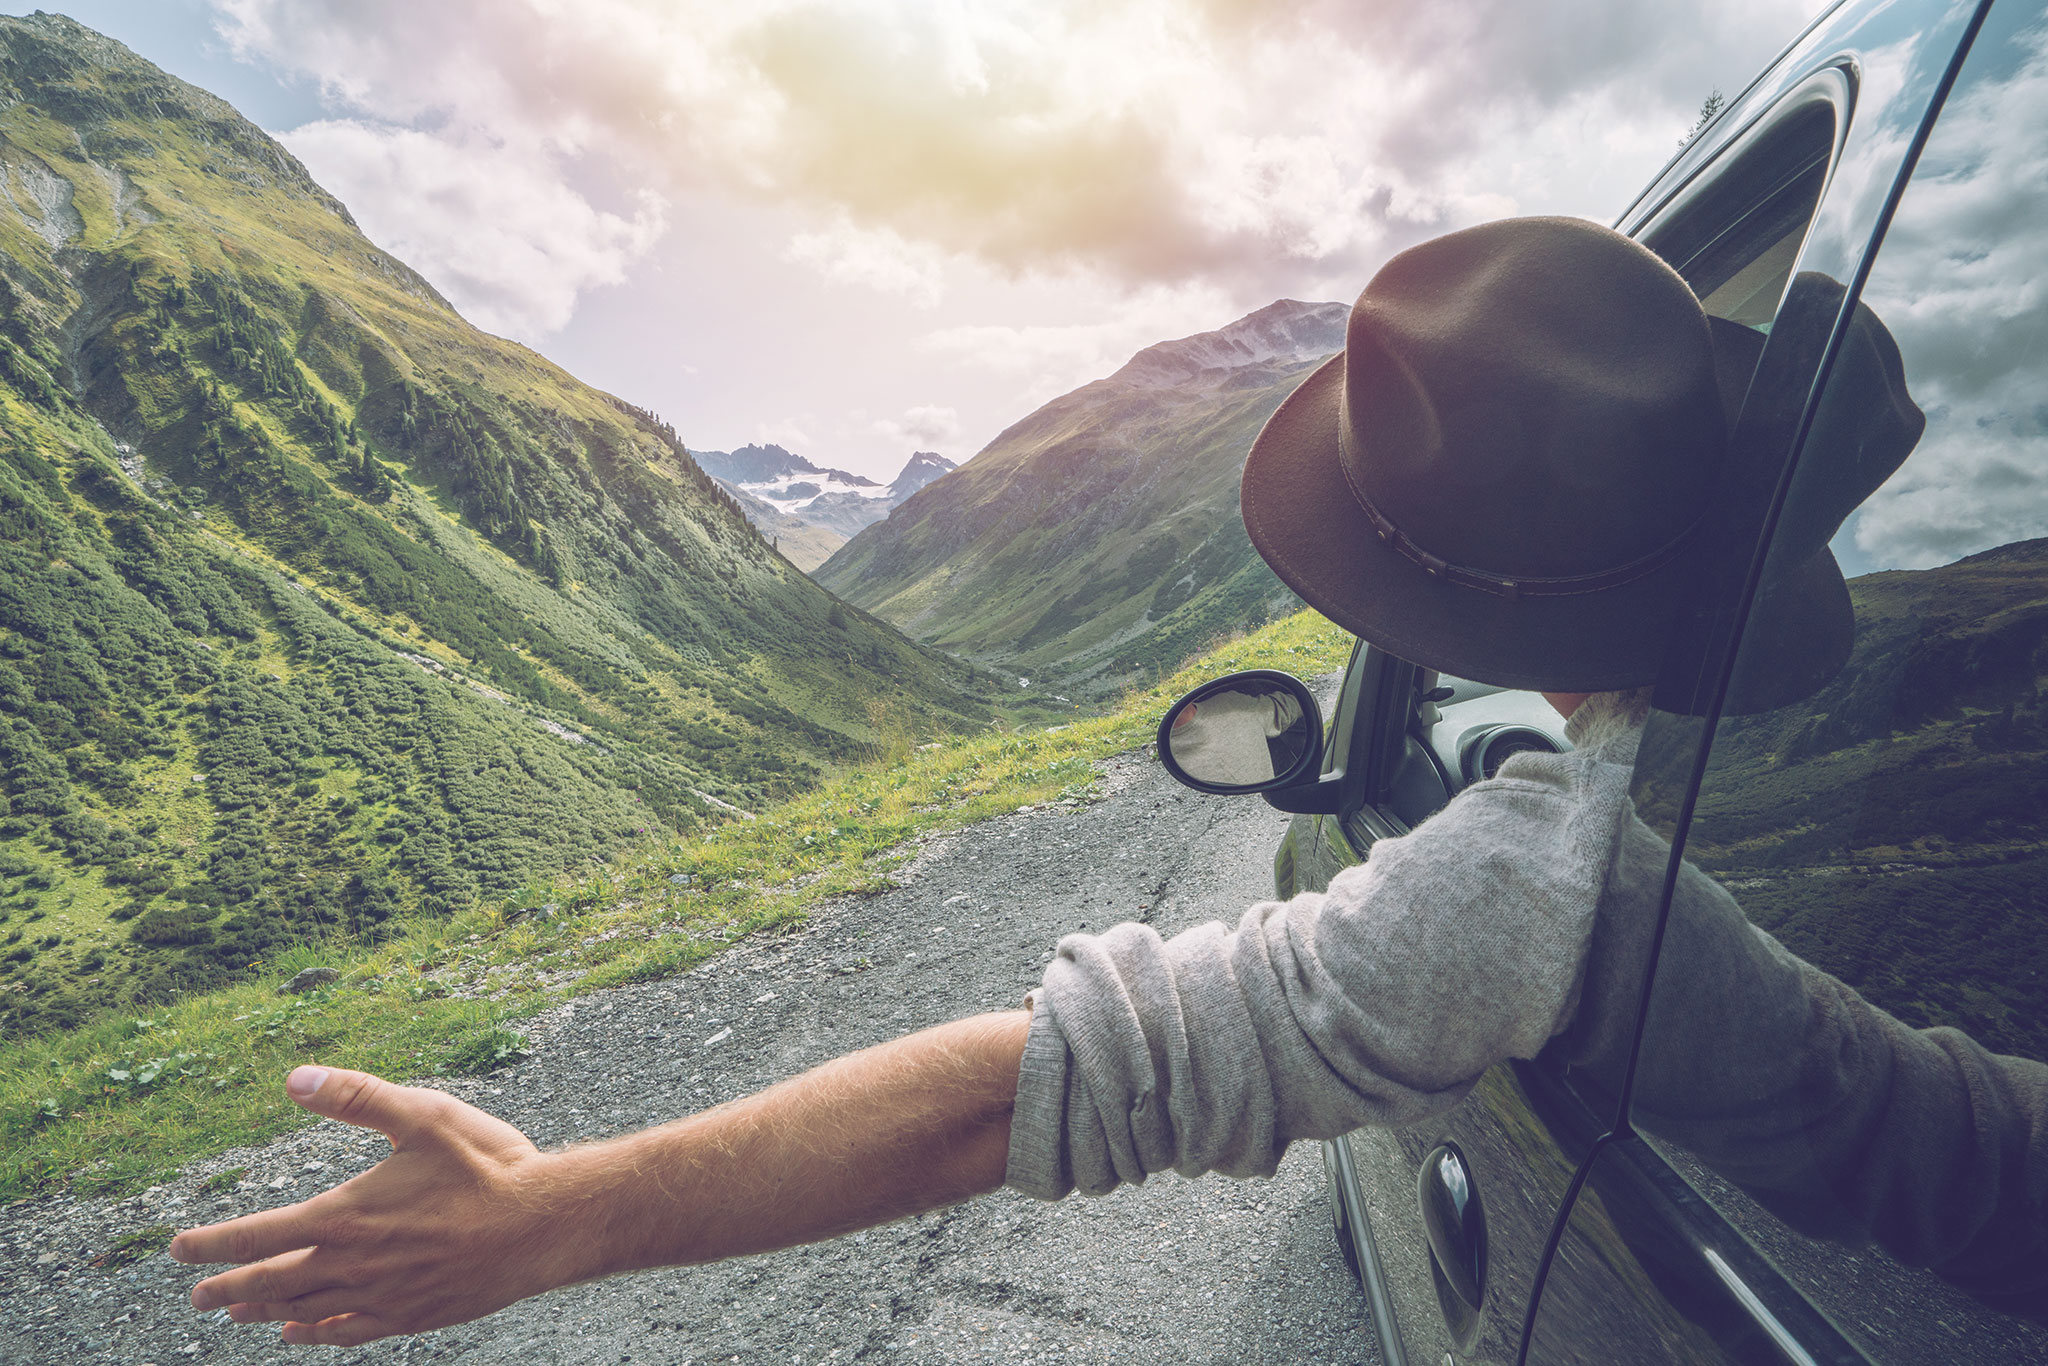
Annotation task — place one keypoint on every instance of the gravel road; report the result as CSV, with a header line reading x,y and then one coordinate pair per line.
x,y
1175,1271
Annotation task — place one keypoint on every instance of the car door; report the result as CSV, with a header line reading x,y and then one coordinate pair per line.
x,y
1735,213
1445,1221
1505,1160
1791,1165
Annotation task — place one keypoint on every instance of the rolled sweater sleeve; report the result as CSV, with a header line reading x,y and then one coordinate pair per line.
x,y
1379,1001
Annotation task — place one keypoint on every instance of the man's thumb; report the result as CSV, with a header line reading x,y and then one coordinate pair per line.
x,y
351,1097
304,1083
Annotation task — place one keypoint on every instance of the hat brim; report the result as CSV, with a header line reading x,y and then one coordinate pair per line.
x,y
1798,635
1305,522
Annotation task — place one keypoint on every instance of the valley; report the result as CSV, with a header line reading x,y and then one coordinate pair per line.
x,y
321,608
1243,1271
807,512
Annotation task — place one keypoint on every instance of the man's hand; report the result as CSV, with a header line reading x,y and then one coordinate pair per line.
x,y
450,1227
466,1216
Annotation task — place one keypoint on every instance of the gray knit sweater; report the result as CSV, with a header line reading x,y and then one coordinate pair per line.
x,y
1471,940
1378,1001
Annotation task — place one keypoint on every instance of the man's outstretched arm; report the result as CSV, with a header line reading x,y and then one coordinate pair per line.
x,y
467,1216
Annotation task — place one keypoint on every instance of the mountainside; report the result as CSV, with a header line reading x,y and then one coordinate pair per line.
x,y
809,511
1100,536
1894,828
317,605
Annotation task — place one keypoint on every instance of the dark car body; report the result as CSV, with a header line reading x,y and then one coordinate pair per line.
x,y
1891,829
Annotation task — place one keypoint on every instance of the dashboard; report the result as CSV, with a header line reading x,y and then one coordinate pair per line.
x,y
1460,733
1478,726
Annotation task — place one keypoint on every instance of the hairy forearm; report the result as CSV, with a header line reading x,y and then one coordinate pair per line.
x,y
894,1130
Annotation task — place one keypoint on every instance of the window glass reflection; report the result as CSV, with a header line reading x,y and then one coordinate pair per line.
x,y
1889,829
1893,827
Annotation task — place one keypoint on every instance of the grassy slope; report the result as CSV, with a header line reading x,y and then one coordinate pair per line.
x,y
1099,536
423,615
118,1103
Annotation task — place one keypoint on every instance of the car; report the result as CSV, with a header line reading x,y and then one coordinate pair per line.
x,y
1878,196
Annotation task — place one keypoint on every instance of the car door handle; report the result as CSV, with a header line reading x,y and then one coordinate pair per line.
x,y
1455,1225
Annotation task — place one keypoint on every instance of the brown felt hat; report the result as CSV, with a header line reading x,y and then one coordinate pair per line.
x,y
1518,471
1503,473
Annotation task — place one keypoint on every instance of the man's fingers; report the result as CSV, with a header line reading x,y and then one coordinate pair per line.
x,y
251,1238
325,1304
398,1112
343,1330
282,1278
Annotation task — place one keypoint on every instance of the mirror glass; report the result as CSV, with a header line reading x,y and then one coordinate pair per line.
x,y
1247,733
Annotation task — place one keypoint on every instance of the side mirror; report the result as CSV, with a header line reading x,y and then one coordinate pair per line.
x,y
1256,731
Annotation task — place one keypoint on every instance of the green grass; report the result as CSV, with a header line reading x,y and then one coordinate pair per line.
x,y
124,1100
220,1183
484,1050
133,1248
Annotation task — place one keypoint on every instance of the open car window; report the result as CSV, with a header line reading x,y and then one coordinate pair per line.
x,y
1736,237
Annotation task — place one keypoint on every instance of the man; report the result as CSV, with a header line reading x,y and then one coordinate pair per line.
x,y
1506,475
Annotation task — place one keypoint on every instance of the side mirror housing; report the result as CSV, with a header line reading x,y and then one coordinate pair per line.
x,y
1255,731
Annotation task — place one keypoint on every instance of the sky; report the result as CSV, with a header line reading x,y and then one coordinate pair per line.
x,y
860,228
1961,285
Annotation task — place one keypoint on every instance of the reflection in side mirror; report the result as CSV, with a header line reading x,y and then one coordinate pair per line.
x,y
1245,732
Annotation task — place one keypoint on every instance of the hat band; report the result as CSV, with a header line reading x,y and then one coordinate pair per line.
x,y
1501,586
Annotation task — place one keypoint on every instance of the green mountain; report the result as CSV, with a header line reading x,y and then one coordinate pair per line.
x,y
319,606
1099,537
1894,828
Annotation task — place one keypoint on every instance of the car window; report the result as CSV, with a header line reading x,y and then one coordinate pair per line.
x,y
1877,799
1734,239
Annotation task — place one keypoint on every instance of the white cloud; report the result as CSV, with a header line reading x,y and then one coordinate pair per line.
x,y
1249,144
1049,359
927,427
877,258
1962,284
493,225
792,434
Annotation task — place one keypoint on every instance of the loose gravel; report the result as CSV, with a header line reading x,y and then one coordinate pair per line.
x,y
1174,1271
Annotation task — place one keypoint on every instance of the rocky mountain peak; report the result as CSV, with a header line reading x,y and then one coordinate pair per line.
x,y
921,469
753,464
763,464
1283,332
91,82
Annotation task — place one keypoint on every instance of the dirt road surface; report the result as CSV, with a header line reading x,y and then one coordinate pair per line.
x,y
1175,1271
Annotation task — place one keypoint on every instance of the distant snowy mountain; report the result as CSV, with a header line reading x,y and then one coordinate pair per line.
x,y
810,510
763,464
924,467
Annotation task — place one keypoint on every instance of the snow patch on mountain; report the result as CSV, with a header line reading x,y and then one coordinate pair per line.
x,y
784,494
795,492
